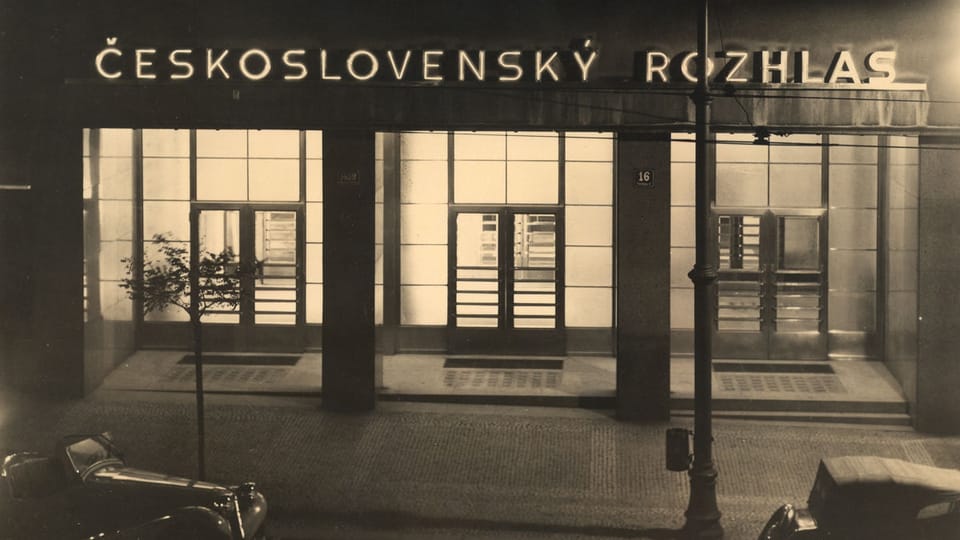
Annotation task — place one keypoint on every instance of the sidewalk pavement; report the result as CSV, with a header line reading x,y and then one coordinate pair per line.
x,y
848,386
413,470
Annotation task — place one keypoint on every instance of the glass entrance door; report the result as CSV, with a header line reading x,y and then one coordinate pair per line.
x,y
265,247
506,289
770,289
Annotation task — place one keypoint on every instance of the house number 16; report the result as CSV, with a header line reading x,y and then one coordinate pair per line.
x,y
643,178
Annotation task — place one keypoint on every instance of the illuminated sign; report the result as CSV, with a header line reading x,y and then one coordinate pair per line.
x,y
578,64
360,65
773,67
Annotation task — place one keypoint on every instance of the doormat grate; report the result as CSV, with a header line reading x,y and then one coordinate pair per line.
x,y
522,379
243,360
773,367
502,363
218,374
790,384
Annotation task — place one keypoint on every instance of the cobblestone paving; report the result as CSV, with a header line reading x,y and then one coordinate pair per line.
x,y
411,471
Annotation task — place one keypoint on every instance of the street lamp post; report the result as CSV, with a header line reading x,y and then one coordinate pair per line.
x,y
703,516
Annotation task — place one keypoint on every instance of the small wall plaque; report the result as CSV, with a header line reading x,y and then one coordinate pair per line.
x,y
643,177
351,177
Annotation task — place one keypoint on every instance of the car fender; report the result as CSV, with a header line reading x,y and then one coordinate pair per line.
x,y
200,521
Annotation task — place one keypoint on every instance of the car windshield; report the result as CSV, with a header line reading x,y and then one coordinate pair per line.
x,y
86,453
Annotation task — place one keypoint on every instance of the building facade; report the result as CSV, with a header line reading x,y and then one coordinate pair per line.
x,y
485,178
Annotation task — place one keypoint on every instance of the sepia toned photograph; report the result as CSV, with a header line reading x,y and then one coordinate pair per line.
x,y
479,269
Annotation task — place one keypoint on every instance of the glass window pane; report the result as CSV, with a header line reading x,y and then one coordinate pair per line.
x,y
424,181
739,148
421,305
902,229
479,182
315,180
853,229
853,149
477,239
535,245
589,183
274,180
800,246
902,271
378,181
166,178
222,179
378,223
681,262
795,186
589,266
797,148
683,185
426,146
741,184
271,143
168,218
681,309
378,264
423,224
314,303
112,177
739,242
423,265
314,144
116,220
904,183
533,182
533,146
853,186
682,148
683,224
589,307
276,243
219,230
378,304
314,223
110,254
852,311
903,151
115,142
314,263
484,145
589,225
588,146
222,143
166,143
853,271
171,314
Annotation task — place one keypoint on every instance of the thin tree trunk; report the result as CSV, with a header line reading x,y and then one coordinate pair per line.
x,y
198,362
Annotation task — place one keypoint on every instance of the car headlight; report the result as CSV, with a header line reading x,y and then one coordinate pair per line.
x,y
228,507
247,491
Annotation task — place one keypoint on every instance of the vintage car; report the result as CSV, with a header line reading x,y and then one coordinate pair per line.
x,y
866,497
86,491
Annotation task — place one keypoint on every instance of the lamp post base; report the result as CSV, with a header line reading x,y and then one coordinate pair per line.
x,y
703,516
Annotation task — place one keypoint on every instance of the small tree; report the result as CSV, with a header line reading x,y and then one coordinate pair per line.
x,y
168,281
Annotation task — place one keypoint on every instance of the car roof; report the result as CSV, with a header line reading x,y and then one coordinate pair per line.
x,y
895,475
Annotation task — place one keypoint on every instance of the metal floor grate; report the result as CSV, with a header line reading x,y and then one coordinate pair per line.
x,y
211,374
509,378
780,383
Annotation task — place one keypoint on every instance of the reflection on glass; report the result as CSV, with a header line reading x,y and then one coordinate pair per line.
x,y
799,243
219,232
275,267
534,270
739,242
477,273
